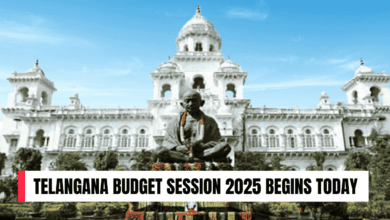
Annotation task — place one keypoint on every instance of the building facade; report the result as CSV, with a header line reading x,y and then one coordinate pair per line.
x,y
30,121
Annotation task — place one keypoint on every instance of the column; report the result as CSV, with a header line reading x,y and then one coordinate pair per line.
x,y
318,141
61,139
366,142
283,143
300,141
46,143
264,139
115,141
97,141
133,141
31,141
78,141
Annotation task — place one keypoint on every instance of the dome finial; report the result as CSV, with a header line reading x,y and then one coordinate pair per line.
x,y
36,63
198,10
228,57
361,62
169,57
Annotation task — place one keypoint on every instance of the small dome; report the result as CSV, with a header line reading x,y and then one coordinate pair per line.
x,y
35,69
324,95
172,110
230,66
364,70
75,96
224,110
198,24
168,66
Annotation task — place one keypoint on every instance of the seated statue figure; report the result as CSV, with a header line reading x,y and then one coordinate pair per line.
x,y
193,136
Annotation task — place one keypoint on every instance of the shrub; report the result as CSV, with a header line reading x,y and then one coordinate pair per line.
x,y
36,206
68,210
87,207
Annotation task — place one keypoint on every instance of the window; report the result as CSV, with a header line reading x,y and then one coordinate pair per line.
x,y
166,91
355,97
44,99
273,139
186,47
359,139
291,140
70,139
13,144
211,48
23,94
375,93
231,91
198,83
89,139
198,47
107,138
40,139
142,139
125,139
309,140
327,139
254,139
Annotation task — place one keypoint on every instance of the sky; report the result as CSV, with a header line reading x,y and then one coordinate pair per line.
x,y
106,50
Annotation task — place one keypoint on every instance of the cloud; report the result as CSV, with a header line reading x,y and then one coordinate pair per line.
x,y
259,12
290,59
12,31
351,65
133,66
297,39
297,83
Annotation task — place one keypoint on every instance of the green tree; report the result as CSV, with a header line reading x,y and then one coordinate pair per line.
x,y
9,186
107,160
250,161
27,159
143,160
3,158
380,167
68,161
358,161
320,158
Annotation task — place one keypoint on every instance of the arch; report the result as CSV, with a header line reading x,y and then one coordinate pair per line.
x,y
231,90
40,138
89,138
289,127
295,168
330,129
123,128
185,48
66,129
330,168
375,93
198,82
254,137
23,94
44,98
89,128
355,97
198,47
309,137
327,137
273,137
272,127
166,91
358,139
211,48
291,140
142,137
124,137
107,134
103,129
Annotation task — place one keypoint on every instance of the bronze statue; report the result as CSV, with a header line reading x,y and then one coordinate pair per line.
x,y
194,136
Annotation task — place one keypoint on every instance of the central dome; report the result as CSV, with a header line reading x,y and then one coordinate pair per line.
x,y
198,30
